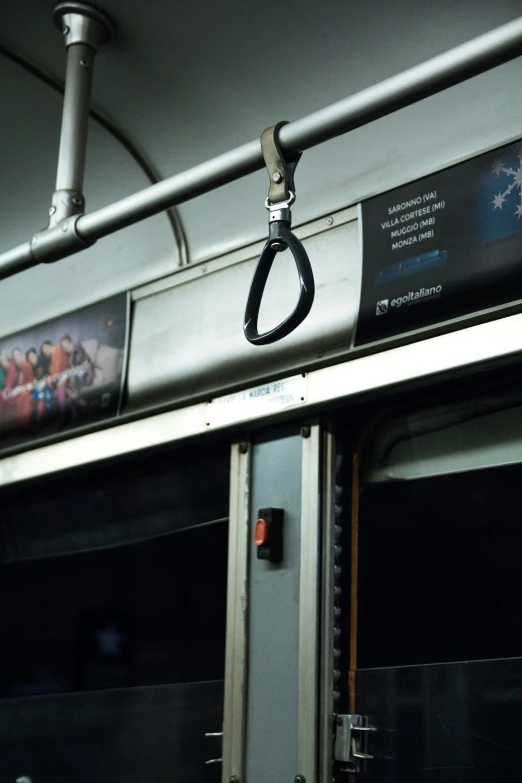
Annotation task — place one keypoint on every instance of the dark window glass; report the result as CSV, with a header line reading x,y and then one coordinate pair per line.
x,y
143,614
439,569
115,577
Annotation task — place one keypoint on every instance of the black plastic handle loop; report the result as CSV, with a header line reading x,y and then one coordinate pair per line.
x,y
306,290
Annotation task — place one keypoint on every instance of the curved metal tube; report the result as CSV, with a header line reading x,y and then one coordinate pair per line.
x,y
257,287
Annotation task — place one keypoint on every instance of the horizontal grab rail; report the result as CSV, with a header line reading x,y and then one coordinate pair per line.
x,y
445,70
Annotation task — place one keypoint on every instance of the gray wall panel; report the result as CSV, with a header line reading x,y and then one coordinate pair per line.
x,y
189,339
274,619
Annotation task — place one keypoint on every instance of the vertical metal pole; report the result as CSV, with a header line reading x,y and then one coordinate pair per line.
x,y
73,138
84,29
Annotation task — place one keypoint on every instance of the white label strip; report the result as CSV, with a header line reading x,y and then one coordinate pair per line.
x,y
258,401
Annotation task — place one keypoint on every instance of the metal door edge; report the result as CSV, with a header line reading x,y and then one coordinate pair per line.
x,y
308,604
234,725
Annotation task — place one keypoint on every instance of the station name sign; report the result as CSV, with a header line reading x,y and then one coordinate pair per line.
x,y
257,401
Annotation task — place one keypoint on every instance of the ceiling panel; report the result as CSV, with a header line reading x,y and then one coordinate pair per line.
x,y
188,81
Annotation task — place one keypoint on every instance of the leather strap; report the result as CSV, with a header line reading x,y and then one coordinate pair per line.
x,y
280,169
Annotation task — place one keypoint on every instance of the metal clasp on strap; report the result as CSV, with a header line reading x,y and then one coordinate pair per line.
x,y
281,196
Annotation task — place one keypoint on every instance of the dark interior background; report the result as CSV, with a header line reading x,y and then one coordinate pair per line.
x,y
439,569
115,578
143,614
112,617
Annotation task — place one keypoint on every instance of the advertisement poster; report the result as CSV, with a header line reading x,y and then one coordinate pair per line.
x,y
64,373
442,247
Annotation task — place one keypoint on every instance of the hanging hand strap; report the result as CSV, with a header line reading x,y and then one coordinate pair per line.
x,y
281,195
280,170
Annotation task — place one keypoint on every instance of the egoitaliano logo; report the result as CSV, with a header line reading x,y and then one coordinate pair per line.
x,y
384,305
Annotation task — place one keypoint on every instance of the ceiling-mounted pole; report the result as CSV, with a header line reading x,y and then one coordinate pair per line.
x,y
84,29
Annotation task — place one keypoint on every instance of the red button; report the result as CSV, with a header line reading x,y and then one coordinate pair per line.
x,y
261,532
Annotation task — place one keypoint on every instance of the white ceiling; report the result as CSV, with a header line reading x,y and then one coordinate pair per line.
x,y
188,81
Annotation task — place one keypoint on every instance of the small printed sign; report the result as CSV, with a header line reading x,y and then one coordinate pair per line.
x,y
443,246
258,401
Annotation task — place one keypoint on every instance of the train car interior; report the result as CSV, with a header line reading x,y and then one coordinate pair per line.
x,y
260,372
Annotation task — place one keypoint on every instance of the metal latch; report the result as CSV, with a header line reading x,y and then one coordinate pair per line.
x,y
351,742
214,734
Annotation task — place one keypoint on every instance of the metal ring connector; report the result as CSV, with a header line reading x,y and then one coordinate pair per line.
x,y
281,204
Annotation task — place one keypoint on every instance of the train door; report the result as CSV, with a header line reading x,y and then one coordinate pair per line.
x,y
431,629
270,727
113,584
160,615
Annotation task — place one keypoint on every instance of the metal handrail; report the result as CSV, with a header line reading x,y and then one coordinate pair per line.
x,y
445,70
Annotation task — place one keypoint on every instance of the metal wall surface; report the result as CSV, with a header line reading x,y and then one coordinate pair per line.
x,y
274,611
463,352
189,340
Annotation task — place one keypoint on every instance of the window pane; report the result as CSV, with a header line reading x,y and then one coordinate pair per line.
x,y
137,615
136,735
105,507
439,569
469,435
113,615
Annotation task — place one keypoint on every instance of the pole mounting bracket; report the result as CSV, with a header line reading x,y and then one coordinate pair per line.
x,y
81,23
58,241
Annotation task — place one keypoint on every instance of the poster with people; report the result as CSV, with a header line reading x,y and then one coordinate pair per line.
x,y
65,373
